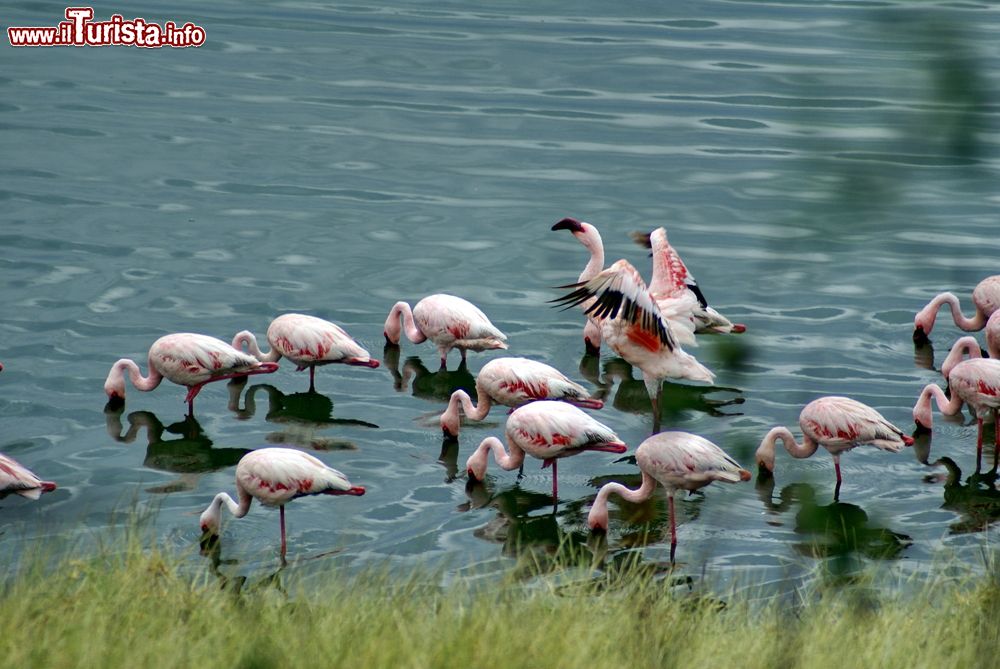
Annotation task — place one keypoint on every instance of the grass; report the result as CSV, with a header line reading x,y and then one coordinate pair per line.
x,y
140,607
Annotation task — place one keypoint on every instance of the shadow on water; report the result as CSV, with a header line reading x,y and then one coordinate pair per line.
x,y
632,397
437,385
188,455
840,531
977,500
301,414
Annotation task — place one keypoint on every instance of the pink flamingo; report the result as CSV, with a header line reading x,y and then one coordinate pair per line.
x,y
678,461
986,298
187,359
632,325
676,291
587,235
513,382
276,476
975,382
16,479
838,424
968,346
448,321
547,430
308,342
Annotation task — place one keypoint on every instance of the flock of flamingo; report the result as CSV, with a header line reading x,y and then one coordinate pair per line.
x,y
645,324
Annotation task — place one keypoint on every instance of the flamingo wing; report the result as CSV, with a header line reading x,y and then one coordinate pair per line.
x,y
844,422
688,456
452,317
306,339
547,429
977,382
277,475
189,359
17,479
620,293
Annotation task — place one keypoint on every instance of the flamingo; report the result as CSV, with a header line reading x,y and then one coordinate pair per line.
x,y
968,346
587,235
975,382
16,479
677,293
448,321
276,476
513,382
838,424
547,430
308,342
187,359
632,325
985,296
678,461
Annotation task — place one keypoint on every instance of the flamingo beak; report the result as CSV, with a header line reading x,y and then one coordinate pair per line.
x,y
356,491
570,224
739,328
363,363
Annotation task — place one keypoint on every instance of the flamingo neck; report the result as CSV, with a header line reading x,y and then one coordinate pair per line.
x,y
591,239
929,313
115,384
248,338
213,514
598,516
765,452
476,464
922,409
450,418
966,346
392,327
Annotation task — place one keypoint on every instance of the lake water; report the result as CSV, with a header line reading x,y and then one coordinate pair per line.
x,y
824,169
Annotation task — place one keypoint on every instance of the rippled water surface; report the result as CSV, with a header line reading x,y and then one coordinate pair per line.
x,y
823,169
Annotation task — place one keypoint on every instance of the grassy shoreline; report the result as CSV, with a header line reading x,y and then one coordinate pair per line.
x,y
141,607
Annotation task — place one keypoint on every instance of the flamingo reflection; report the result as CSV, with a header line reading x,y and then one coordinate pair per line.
x,y
301,414
977,500
189,455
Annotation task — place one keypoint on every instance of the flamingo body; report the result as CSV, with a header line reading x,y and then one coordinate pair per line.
x,y
546,430
513,382
677,293
276,476
985,298
16,479
448,321
308,342
632,325
838,424
677,461
186,359
975,382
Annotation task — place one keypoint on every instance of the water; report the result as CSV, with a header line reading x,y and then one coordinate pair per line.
x,y
823,169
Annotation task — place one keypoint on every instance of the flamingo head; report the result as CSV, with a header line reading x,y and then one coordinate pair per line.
x,y
356,491
765,458
450,424
359,362
114,385
571,224
209,521
475,466
597,519
923,323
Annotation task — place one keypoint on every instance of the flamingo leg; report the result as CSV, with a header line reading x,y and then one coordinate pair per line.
x,y
836,466
283,545
673,527
979,443
656,408
996,437
312,378
555,479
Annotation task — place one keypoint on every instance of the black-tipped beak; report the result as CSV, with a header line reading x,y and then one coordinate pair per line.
x,y
115,403
920,337
570,224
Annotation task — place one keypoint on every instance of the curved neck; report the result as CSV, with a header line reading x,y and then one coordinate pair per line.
x,y
450,417
248,338
598,516
392,328
143,383
922,409
795,449
591,239
477,461
968,324
965,346
238,510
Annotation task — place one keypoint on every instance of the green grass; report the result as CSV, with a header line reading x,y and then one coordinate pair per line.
x,y
140,607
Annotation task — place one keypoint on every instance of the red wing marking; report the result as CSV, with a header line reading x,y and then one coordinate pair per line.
x,y
848,435
986,389
648,340
305,485
459,330
560,440
538,392
9,470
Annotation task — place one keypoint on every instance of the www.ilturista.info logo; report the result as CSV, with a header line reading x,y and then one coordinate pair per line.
x,y
80,30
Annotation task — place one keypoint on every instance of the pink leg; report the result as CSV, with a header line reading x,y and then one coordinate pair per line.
x,y
996,438
283,547
673,527
555,479
836,466
312,378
